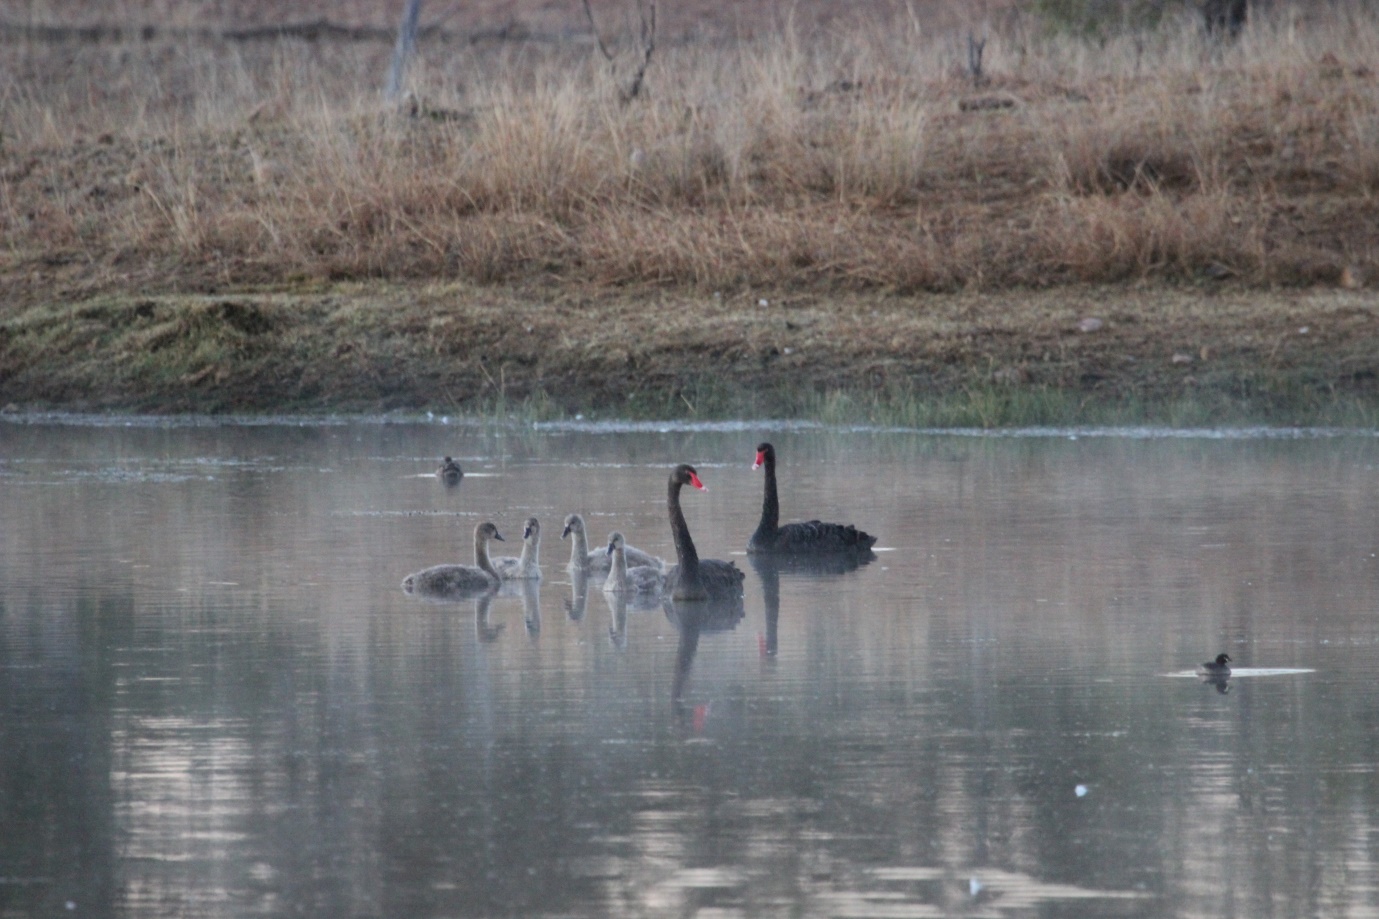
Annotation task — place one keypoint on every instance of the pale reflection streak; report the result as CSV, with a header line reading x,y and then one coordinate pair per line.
x,y
1207,822
617,618
664,874
180,799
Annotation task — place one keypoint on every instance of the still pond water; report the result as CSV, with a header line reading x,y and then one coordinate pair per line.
x,y
216,700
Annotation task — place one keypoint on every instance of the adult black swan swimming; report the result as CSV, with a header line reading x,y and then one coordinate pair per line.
x,y
693,578
799,538
459,580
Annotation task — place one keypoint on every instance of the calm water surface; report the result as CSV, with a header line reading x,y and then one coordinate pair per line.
x,y
215,699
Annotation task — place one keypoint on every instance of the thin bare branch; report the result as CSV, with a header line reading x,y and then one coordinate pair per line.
x,y
598,37
648,40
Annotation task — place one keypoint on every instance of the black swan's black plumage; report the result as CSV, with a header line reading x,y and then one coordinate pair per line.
x,y
813,536
694,578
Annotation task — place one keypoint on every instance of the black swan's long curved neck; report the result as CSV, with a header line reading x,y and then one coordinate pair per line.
x,y
770,505
685,554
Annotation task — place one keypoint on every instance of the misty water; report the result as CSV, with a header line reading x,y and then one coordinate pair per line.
x,y
216,699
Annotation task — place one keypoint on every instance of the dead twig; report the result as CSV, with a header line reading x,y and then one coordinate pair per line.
x,y
646,11
598,36
974,59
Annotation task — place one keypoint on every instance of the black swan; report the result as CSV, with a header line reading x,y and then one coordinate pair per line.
x,y
451,580
639,579
598,561
693,578
1218,668
449,472
528,566
798,538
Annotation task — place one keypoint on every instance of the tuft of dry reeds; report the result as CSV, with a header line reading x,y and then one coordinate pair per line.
x,y
863,160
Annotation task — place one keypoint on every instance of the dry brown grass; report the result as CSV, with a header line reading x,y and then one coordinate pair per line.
x,y
853,161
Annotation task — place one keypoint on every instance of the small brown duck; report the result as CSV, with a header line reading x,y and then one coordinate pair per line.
x,y
449,472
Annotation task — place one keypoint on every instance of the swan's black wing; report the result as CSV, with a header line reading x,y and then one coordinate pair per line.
x,y
716,580
817,536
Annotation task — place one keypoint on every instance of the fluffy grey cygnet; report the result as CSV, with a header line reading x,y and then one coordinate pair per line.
x,y
528,565
638,579
599,561
452,580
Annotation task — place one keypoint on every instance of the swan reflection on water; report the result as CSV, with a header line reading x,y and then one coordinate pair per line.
x,y
578,600
617,618
481,601
692,618
484,630
529,591
619,605
770,568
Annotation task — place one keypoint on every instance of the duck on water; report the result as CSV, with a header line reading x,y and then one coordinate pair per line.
x,y
813,537
1221,667
449,472
694,578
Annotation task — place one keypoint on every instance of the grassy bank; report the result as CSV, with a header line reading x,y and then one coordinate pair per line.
x,y
1062,356
196,224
